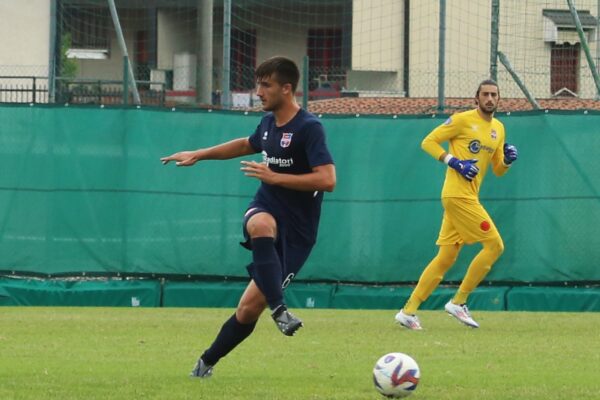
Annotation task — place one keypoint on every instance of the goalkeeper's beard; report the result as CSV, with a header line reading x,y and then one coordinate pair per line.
x,y
489,110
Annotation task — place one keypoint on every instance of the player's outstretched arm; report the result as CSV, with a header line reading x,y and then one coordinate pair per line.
x,y
232,149
322,178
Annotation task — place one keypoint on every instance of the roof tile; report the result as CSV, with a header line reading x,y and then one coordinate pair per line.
x,y
403,105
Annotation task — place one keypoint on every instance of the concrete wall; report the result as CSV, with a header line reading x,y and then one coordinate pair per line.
x,y
467,53
24,37
528,52
111,68
174,35
377,46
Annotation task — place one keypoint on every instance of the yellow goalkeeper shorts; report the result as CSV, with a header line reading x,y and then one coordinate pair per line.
x,y
465,221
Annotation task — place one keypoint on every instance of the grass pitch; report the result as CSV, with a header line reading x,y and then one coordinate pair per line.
x,y
147,353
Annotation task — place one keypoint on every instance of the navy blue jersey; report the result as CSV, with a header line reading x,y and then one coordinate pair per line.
x,y
294,148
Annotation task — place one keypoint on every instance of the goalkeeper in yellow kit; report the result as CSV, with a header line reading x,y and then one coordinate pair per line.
x,y
476,141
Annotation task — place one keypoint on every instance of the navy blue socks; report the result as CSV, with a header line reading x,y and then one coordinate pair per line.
x,y
267,270
231,334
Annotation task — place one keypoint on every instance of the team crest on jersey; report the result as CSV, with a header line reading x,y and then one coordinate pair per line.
x,y
475,146
265,135
494,134
286,139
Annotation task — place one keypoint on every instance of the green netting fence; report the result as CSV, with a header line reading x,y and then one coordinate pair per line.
x,y
82,193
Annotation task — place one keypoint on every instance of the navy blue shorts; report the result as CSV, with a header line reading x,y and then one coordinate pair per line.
x,y
292,253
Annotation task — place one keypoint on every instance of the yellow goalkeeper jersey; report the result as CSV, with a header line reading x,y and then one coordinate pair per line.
x,y
469,136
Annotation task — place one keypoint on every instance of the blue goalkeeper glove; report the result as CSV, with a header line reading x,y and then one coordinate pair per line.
x,y
510,153
466,168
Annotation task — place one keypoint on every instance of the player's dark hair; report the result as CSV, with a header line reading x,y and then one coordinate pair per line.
x,y
282,69
486,82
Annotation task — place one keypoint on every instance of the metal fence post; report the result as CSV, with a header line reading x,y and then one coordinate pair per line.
x,y
442,56
119,33
225,95
305,83
494,40
125,80
53,53
585,46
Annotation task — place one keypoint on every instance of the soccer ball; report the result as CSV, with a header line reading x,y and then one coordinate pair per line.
x,y
396,375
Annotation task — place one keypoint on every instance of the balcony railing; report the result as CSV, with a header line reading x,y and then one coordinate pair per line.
x,y
32,89
23,89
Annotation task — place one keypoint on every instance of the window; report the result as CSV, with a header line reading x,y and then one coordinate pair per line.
x,y
141,56
564,69
243,59
88,27
325,58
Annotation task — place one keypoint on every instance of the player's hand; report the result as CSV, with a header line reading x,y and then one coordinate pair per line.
x,y
466,168
259,170
510,153
182,159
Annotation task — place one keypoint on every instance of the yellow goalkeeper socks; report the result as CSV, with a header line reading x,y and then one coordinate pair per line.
x,y
431,277
479,268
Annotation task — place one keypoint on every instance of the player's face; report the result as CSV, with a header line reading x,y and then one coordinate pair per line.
x,y
271,93
488,98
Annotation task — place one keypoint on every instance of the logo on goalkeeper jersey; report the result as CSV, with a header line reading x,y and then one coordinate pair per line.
x,y
474,146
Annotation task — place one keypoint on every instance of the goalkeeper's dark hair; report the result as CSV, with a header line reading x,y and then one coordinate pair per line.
x,y
282,69
486,82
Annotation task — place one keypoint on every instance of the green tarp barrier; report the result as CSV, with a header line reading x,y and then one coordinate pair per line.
x,y
370,297
148,293
553,299
108,293
227,294
310,295
82,190
202,294
394,297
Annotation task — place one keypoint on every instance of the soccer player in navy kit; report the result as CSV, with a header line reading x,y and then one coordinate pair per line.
x,y
280,224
